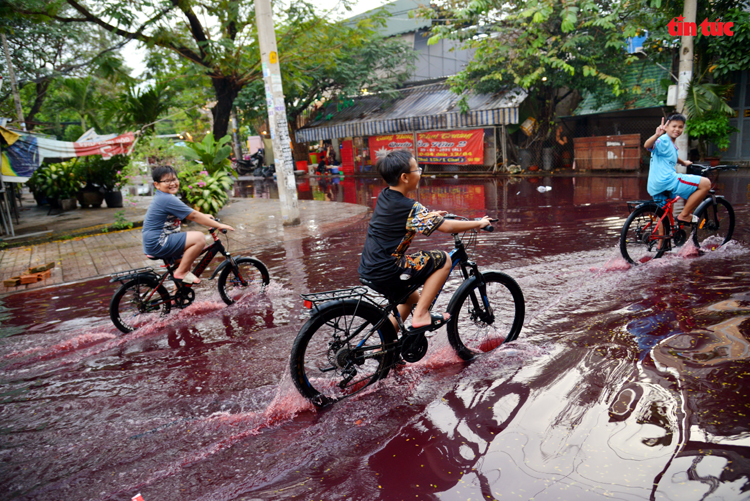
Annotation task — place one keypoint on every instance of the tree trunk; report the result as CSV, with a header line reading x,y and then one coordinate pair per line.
x,y
300,150
226,91
41,92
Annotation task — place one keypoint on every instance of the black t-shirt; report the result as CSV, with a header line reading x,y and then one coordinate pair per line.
x,y
395,221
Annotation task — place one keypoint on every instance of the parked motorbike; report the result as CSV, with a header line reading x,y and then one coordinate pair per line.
x,y
250,164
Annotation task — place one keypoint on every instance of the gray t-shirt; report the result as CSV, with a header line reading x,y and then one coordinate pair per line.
x,y
163,218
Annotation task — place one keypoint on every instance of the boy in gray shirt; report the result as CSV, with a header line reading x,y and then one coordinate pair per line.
x,y
161,226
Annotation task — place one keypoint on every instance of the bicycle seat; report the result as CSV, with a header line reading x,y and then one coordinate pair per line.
x,y
169,260
397,296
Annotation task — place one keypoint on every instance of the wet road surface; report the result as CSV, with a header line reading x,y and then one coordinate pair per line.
x,y
625,383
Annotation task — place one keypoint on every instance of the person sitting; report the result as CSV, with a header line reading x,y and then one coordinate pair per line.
x,y
395,221
663,180
161,226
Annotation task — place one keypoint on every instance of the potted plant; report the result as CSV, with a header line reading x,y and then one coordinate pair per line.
x,y
61,184
713,128
111,176
88,171
35,184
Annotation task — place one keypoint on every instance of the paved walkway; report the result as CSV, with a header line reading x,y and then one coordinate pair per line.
x,y
257,223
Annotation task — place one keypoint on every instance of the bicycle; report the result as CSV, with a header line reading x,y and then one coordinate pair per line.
x,y
349,342
650,231
142,291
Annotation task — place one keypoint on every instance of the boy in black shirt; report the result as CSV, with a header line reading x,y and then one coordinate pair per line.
x,y
395,221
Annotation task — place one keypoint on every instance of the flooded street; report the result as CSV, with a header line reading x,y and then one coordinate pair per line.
x,y
626,382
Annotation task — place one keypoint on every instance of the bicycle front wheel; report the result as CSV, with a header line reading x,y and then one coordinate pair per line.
x,y
137,302
715,224
641,240
483,318
249,279
339,352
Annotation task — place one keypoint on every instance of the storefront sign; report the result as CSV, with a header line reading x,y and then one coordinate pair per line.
x,y
460,147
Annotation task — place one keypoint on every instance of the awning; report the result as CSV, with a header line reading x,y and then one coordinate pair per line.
x,y
427,107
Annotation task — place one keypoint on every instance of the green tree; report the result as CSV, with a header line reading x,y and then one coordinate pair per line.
x,y
141,107
226,50
42,52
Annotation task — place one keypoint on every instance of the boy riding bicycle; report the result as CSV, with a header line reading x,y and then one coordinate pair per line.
x,y
395,221
663,180
161,225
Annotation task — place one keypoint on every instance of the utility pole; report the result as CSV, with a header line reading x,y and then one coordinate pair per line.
x,y
277,122
685,74
13,87
235,137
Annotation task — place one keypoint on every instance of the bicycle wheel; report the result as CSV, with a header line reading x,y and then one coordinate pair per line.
x,y
338,353
715,224
639,242
136,302
253,277
480,323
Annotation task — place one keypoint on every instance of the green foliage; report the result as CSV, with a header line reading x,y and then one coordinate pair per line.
x,y
141,108
712,127
213,155
205,192
58,181
121,222
730,54
108,174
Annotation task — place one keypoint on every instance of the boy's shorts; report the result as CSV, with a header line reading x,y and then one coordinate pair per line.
x,y
174,247
686,186
418,266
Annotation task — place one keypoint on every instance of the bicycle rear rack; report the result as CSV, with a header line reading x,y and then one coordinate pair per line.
x,y
360,292
119,276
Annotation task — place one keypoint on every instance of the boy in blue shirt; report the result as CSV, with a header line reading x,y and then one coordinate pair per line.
x,y
395,221
663,180
161,226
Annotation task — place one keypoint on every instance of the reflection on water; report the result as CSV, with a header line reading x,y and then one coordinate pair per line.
x,y
626,383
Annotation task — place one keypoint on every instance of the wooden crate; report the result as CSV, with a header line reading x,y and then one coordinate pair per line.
x,y
608,152
30,279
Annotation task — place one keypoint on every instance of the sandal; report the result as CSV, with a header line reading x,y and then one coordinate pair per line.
x,y
188,279
437,321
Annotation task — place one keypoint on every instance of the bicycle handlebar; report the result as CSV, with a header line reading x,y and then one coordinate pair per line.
x,y
705,169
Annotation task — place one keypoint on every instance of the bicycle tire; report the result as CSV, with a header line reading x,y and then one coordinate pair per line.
x,y
126,308
636,246
472,330
252,270
715,224
325,367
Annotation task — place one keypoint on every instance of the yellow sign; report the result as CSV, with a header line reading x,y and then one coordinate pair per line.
x,y
273,58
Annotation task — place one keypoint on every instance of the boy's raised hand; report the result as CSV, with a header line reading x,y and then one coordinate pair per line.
x,y
662,129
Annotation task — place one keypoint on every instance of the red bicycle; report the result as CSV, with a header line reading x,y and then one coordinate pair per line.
x,y
650,230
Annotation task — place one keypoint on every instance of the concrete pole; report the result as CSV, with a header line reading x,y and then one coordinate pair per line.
x,y
277,113
13,87
685,75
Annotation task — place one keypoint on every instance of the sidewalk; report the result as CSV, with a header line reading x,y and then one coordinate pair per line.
x,y
257,223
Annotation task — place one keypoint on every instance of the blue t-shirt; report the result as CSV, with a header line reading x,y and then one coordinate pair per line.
x,y
163,218
662,175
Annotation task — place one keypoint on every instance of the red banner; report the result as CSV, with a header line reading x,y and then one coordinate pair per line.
x,y
460,147
119,145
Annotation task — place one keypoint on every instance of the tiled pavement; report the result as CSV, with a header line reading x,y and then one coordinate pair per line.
x,y
256,221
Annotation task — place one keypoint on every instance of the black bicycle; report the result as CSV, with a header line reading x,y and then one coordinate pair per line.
x,y
350,343
143,296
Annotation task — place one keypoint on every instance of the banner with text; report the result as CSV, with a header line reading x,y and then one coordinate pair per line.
x,y
461,147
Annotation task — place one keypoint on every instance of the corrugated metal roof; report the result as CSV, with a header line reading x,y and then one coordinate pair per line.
x,y
425,107
399,22
644,74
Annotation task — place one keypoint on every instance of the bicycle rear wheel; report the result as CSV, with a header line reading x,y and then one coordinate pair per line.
x,y
715,224
338,352
137,302
640,238
253,277
481,322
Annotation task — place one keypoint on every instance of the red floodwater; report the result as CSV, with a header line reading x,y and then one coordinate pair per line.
x,y
626,382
